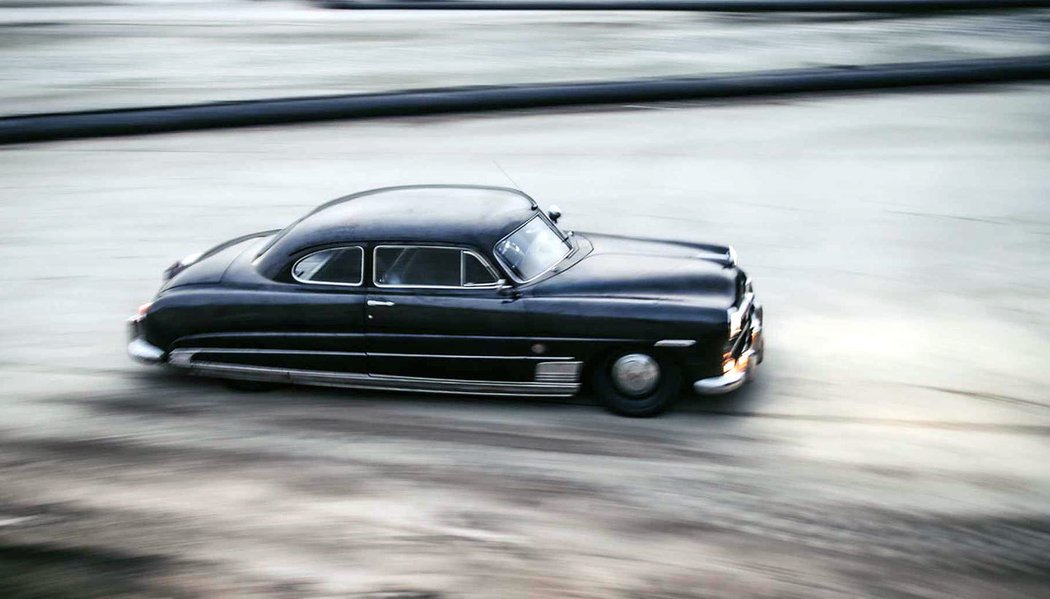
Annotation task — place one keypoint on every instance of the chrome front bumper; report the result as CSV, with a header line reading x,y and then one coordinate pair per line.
x,y
730,381
744,369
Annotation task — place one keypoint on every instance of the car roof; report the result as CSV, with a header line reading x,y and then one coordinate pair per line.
x,y
472,215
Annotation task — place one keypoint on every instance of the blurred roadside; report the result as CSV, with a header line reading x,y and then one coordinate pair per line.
x,y
70,55
894,445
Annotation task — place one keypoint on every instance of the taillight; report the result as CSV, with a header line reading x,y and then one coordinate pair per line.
x,y
143,309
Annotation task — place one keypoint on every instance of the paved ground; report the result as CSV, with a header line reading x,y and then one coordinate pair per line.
x,y
86,55
895,447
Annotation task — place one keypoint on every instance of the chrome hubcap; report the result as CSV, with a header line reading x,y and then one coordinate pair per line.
x,y
635,374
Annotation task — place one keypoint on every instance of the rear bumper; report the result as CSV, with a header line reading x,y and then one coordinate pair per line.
x,y
139,348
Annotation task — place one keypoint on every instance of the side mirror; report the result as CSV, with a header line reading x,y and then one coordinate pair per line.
x,y
554,213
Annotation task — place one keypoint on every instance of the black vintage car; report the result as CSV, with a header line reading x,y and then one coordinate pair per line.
x,y
458,289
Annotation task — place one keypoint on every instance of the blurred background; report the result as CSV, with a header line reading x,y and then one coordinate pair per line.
x,y
896,444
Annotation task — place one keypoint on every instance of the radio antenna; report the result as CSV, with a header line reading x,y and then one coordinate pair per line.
x,y
505,174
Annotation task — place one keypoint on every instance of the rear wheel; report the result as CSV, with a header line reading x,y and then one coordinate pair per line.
x,y
637,384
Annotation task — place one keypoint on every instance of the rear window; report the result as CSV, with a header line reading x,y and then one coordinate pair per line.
x,y
334,266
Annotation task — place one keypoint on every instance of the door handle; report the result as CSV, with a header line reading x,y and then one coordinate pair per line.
x,y
379,303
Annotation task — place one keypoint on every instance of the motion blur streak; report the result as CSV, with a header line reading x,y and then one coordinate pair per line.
x,y
741,6
894,445
48,127
94,58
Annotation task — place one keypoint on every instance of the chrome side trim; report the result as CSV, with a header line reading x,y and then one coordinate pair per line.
x,y
558,372
382,382
180,357
184,355
675,343
465,357
618,340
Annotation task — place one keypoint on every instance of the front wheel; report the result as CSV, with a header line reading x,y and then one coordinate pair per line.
x,y
637,384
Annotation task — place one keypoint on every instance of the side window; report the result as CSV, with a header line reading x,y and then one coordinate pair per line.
x,y
476,273
415,266
335,266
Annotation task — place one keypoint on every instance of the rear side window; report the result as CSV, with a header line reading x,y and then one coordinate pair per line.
x,y
334,266
418,266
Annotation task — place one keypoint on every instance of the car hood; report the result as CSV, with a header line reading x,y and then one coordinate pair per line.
x,y
629,267
618,244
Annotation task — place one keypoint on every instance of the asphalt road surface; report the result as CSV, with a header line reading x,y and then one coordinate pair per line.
x,y
127,53
895,445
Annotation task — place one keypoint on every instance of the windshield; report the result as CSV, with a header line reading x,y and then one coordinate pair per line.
x,y
532,249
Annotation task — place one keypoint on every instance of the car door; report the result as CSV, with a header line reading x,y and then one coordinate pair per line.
x,y
311,319
438,312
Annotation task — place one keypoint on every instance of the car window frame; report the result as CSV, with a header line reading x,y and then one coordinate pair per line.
x,y
485,263
507,267
462,267
361,281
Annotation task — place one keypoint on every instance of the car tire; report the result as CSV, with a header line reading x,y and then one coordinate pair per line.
x,y
646,400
